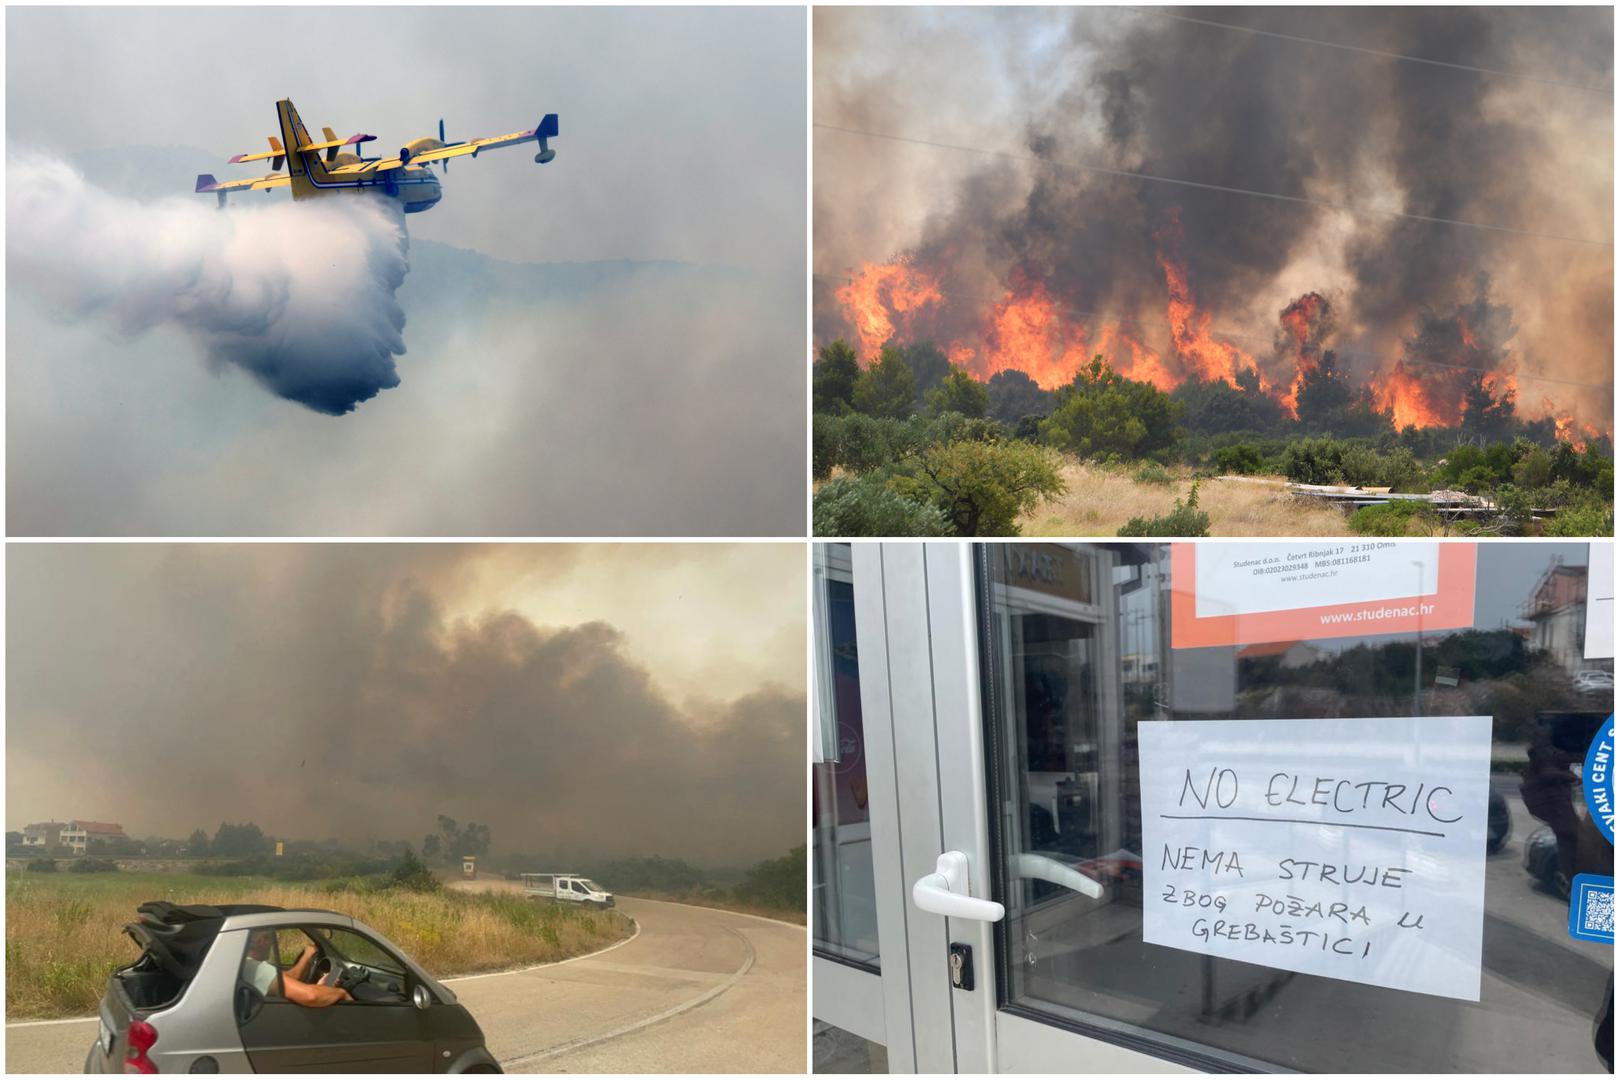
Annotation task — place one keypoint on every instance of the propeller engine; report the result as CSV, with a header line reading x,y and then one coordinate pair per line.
x,y
444,163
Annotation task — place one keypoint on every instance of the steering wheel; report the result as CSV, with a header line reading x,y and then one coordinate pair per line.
x,y
320,968
351,976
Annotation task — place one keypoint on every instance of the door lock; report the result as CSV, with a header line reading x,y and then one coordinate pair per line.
x,y
961,966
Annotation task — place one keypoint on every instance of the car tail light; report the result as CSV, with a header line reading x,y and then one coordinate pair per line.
x,y
138,1040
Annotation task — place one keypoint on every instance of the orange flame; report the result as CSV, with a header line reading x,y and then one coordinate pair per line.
x,y
1031,331
1408,397
1298,320
1578,433
879,291
1025,331
1189,327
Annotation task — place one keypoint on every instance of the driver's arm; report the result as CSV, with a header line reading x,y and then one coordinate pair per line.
x,y
300,967
311,995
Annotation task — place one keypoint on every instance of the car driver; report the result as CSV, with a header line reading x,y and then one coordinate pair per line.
x,y
260,972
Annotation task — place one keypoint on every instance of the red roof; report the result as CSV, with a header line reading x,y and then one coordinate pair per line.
x,y
100,827
1267,648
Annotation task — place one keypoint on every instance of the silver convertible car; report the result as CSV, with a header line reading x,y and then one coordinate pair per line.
x,y
207,995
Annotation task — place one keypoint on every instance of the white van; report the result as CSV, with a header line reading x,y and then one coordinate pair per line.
x,y
566,889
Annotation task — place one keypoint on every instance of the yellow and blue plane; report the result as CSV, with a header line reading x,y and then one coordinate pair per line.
x,y
316,169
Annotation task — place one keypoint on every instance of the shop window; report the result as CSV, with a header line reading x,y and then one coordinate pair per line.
x,y
1072,673
844,907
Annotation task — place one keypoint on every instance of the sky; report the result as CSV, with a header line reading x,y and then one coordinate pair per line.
x,y
682,128
663,395
610,699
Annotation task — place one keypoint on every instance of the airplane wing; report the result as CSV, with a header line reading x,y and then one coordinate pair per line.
x,y
206,182
332,145
547,128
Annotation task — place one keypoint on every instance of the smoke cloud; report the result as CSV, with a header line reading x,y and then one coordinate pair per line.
x,y
357,691
299,296
1152,92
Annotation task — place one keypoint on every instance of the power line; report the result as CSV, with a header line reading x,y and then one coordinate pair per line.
x,y
1305,200
1376,52
1118,320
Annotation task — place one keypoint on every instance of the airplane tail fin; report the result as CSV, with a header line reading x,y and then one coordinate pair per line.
x,y
304,167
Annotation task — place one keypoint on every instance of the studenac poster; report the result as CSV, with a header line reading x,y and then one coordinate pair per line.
x,y
1239,594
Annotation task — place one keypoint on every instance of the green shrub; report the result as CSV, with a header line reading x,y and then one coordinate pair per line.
x,y
1347,461
867,506
1313,461
409,873
1398,517
1589,519
824,437
1513,509
42,866
981,486
1185,519
1101,412
1153,473
1242,459
91,865
961,393
887,389
832,386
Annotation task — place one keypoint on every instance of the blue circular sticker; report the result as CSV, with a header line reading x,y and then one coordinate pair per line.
x,y
1598,779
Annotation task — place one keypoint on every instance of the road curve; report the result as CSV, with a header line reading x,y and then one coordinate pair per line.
x,y
697,990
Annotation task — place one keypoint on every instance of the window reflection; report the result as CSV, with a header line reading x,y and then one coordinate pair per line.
x,y
844,919
834,1050
1074,671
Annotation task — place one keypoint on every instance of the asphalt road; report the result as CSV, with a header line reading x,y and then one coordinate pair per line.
x,y
696,990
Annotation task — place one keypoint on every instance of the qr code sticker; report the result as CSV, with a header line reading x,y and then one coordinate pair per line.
x,y
1599,915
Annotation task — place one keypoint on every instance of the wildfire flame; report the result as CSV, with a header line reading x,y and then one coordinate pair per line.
x,y
1577,433
1031,331
881,294
1407,397
1189,327
1299,322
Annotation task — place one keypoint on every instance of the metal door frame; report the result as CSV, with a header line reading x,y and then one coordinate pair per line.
x,y
916,616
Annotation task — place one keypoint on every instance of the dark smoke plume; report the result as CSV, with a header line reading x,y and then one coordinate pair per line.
x,y
195,679
1149,92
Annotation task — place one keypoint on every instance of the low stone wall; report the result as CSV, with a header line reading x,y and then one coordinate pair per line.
x,y
150,866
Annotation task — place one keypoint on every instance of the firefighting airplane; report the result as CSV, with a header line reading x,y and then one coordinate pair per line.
x,y
404,177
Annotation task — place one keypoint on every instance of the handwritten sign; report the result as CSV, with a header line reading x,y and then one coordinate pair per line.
x,y
1350,848
1238,594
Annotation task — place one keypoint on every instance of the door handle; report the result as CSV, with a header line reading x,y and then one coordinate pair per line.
x,y
946,892
1027,865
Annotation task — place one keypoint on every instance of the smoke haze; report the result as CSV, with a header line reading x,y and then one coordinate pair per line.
x,y
603,699
300,298
1047,90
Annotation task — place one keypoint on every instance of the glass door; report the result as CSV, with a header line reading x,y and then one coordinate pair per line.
x,y
920,624
1006,688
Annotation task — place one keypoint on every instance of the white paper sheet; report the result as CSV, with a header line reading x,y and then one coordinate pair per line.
x,y
1243,579
1600,600
1350,848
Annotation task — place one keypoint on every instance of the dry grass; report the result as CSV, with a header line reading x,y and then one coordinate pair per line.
x,y
64,931
1100,499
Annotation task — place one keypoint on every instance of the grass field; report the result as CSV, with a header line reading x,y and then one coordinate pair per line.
x,y
64,931
1100,499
